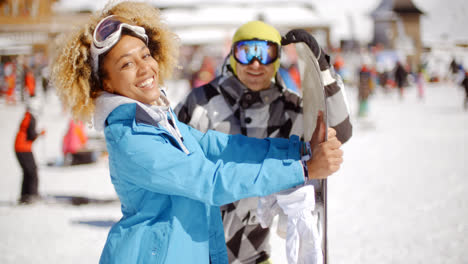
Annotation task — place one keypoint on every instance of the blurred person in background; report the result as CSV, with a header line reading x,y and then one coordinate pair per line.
x,y
464,84
9,71
205,74
74,146
2,77
246,99
339,63
21,65
289,69
29,83
401,76
44,75
364,90
170,178
25,137
420,82
453,67
456,71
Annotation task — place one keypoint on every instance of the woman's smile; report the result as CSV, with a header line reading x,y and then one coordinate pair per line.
x,y
131,71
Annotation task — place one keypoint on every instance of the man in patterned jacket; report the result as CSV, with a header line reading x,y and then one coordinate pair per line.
x,y
244,99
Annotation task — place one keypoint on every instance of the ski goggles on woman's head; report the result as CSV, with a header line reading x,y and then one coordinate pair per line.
x,y
264,51
108,32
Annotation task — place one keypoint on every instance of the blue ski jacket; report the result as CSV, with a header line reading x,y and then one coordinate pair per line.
x,y
170,198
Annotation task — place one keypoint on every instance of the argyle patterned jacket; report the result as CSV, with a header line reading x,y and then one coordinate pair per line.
x,y
226,105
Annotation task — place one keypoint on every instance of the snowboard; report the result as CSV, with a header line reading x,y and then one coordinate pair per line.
x,y
313,96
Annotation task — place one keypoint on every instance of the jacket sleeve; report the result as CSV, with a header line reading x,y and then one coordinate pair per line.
x,y
337,105
220,168
192,110
31,131
183,110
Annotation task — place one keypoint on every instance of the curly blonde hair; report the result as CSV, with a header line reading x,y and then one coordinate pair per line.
x,y
72,74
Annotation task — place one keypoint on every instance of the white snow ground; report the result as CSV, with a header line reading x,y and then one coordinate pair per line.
x,y
400,197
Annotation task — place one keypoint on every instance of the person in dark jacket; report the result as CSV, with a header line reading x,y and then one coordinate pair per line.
x,y
25,137
243,99
400,77
464,84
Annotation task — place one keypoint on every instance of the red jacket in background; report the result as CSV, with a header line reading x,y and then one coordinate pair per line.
x,y
30,83
26,134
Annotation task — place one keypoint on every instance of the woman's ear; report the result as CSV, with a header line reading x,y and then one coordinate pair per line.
x,y
106,86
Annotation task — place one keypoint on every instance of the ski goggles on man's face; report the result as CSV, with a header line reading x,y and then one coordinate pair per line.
x,y
108,33
245,51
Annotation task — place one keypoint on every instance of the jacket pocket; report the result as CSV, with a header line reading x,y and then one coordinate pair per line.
x,y
154,244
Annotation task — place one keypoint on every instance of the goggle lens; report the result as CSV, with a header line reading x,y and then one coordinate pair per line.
x,y
264,51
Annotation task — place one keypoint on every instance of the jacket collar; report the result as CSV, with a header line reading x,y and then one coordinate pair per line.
x,y
107,102
142,117
155,116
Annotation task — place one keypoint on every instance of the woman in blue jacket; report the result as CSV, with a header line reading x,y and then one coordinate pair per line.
x,y
170,178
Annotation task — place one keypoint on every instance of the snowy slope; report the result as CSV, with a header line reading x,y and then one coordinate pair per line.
x,y
400,196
